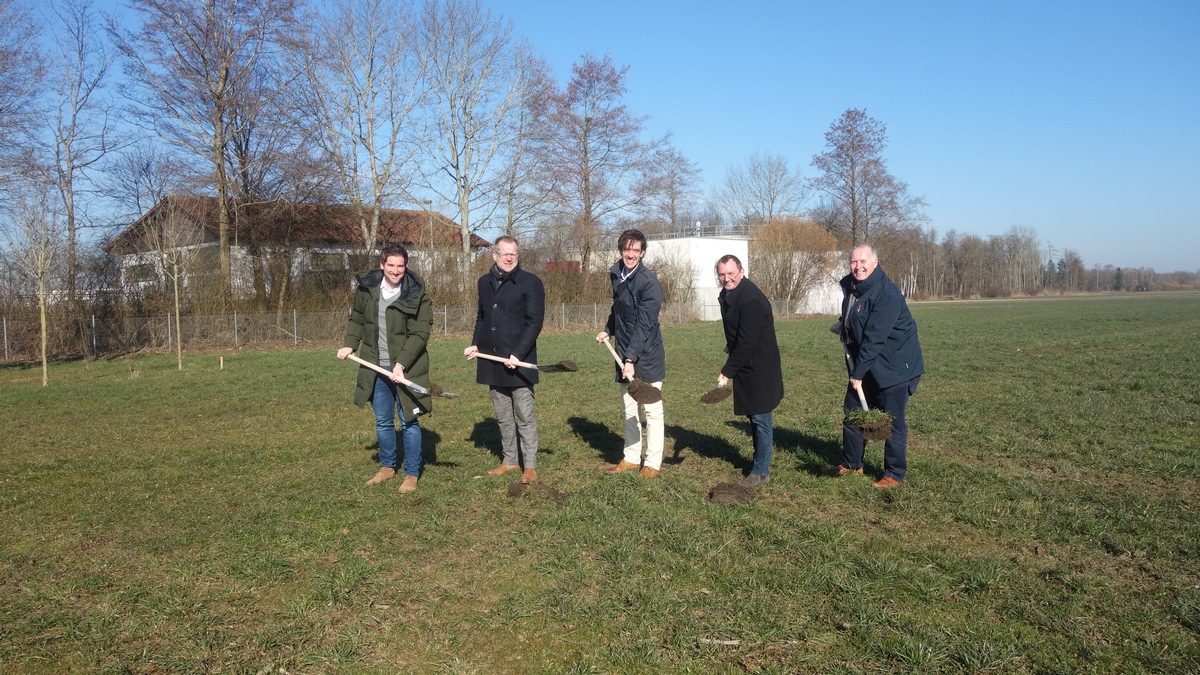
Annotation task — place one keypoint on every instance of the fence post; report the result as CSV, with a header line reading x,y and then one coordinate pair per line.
x,y
295,329
94,352
168,332
6,338
564,316
235,335
445,320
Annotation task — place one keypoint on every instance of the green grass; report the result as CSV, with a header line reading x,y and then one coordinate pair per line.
x,y
216,520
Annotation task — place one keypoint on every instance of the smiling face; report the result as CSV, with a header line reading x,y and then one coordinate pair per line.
x,y
863,261
393,269
505,255
730,274
632,254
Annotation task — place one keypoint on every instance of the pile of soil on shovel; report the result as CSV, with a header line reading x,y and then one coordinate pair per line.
x,y
876,425
716,395
519,489
435,390
568,366
730,493
642,392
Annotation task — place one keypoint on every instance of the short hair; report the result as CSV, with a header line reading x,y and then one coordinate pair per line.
x,y
391,250
727,258
504,238
631,235
865,245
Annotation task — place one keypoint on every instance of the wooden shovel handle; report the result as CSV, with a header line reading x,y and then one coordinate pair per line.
x,y
384,371
861,397
608,343
481,355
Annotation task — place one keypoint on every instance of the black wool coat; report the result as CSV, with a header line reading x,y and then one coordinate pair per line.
x,y
753,362
879,332
508,322
633,322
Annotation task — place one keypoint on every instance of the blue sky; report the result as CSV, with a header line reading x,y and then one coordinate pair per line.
x,y
1079,120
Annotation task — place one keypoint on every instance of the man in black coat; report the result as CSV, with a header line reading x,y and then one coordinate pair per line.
x,y
512,305
753,362
884,361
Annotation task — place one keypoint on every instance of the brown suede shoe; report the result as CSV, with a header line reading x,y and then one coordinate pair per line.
x,y
385,474
647,472
503,469
529,476
840,470
886,482
409,485
621,466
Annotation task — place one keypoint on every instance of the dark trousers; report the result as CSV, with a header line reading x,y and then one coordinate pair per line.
x,y
893,400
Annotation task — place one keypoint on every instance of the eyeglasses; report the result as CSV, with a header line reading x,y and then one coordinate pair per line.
x,y
505,255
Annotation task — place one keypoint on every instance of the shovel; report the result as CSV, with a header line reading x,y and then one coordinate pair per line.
x,y
716,395
639,390
410,385
873,430
560,367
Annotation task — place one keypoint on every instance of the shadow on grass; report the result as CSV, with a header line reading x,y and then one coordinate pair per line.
x,y
609,445
706,446
813,455
486,436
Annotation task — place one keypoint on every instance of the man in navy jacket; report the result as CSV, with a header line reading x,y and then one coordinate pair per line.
x,y
885,360
512,306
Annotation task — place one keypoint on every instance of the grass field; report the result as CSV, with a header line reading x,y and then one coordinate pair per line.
x,y
216,520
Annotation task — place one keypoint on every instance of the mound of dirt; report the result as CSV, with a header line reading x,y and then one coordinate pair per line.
x,y
519,489
730,493
716,395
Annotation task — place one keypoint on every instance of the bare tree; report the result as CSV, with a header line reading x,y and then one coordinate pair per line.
x,y
141,175
761,189
789,257
601,168
82,131
173,243
475,102
521,193
679,188
21,64
34,238
194,59
362,85
865,200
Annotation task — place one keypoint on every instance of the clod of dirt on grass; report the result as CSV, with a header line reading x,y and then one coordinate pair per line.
x,y
876,425
519,489
730,493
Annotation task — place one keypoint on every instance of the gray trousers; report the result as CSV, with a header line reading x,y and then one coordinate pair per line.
x,y
518,428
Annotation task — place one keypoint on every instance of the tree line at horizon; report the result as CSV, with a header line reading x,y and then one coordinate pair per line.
x,y
435,104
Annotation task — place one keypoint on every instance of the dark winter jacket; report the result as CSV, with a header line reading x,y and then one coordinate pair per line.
x,y
508,322
879,332
409,320
633,322
753,362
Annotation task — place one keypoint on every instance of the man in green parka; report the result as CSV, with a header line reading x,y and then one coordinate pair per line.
x,y
389,325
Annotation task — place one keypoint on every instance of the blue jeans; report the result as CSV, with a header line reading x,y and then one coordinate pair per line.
x,y
763,427
383,400
894,400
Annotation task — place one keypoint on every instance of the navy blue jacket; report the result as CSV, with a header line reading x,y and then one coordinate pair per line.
x,y
508,322
633,322
879,332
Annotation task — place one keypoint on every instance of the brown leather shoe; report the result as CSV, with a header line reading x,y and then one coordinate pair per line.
x,y
529,476
647,472
886,482
622,466
503,469
409,485
840,470
385,474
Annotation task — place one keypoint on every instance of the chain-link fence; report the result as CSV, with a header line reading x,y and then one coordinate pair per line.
x,y
92,336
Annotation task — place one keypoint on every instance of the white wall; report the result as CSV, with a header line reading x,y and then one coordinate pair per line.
x,y
703,253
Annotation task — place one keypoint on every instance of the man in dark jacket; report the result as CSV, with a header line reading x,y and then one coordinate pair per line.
x,y
389,325
753,362
883,358
633,321
512,304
